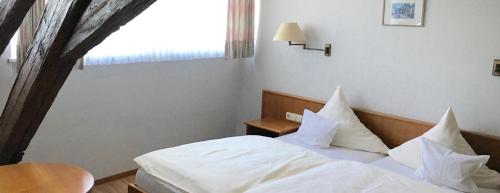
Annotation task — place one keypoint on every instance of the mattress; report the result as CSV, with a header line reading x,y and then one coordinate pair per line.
x,y
391,165
335,153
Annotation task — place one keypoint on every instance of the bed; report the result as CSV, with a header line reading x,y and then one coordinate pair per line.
x,y
391,129
152,184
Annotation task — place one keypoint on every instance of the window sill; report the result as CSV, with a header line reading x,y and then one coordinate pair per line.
x,y
145,61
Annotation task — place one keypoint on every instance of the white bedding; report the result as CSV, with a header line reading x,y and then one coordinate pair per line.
x,y
253,160
346,176
335,153
228,165
392,165
151,184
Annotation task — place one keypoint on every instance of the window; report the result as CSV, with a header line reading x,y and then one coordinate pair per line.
x,y
13,47
168,30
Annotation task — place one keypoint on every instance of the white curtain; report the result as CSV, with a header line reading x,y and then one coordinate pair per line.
x,y
240,29
168,30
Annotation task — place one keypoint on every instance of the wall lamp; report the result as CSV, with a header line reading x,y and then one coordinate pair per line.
x,y
291,33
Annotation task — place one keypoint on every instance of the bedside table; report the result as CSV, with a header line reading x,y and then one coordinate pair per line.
x,y
44,177
271,127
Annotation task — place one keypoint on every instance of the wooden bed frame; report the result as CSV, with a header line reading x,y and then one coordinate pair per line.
x,y
393,130
133,188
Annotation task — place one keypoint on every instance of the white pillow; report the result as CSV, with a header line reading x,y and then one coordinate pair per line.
x,y
316,130
446,133
443,167
351,133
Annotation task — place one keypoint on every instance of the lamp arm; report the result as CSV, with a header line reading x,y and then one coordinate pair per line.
x,y
292,44
318,49
327,50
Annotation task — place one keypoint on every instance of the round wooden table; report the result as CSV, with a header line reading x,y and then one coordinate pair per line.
x,y
44,178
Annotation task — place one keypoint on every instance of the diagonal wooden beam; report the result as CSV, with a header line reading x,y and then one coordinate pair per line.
x,y
12,13
41,79
97,23
58,21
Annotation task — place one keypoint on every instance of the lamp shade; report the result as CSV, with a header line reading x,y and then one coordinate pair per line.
x,y
289,32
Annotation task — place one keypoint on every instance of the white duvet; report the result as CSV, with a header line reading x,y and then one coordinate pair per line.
x,y
346,177
229,165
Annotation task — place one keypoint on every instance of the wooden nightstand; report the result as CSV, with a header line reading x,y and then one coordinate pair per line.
x,y
271,127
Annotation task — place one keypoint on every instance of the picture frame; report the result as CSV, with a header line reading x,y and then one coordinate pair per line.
x,y
409,13
496,67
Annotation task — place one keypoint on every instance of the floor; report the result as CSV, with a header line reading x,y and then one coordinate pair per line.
x,y
117,186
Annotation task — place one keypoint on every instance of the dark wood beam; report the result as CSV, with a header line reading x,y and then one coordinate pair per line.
x,y
41,78
12,13
58,21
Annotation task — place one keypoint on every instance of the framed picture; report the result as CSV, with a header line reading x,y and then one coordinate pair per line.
x,y
496,68
404,13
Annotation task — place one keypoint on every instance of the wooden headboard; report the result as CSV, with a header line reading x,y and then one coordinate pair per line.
x,y
393,130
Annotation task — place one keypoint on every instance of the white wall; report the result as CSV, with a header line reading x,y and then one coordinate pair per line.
x,y
105,116
408,71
